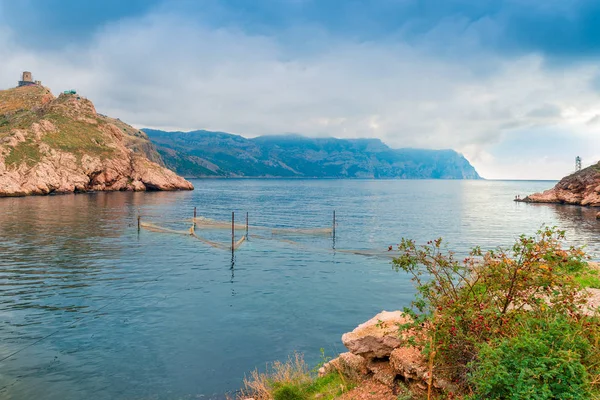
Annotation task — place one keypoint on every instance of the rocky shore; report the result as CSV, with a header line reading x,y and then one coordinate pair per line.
x,y
385,365
581,188
61,144
379,358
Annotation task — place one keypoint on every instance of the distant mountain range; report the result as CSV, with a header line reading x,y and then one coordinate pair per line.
x,y
218,154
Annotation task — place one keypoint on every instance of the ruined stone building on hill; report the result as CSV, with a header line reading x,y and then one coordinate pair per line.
x,y
27,80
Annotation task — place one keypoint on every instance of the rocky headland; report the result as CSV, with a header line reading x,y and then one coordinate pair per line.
x,y
61,144
581,188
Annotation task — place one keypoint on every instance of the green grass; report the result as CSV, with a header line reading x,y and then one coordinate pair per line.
x,y
18,120
326,387
292,380
588,278
77,137
25,152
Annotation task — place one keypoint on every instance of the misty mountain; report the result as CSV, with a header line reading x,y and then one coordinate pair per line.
x,y
218,154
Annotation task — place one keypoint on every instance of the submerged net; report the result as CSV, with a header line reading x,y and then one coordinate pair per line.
x,y
207,223
196,223
239,242
211,243
155,228
203,224
291,231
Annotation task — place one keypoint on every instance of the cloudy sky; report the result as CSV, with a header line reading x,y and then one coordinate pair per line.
x,y
512,84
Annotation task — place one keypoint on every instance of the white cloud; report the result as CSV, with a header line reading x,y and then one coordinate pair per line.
x,y
166,71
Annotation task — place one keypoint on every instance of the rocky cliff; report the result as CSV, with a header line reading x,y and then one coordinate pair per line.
x,y
581,188
218,154
60,144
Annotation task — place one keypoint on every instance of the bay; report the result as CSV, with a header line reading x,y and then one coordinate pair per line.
x,y
90,308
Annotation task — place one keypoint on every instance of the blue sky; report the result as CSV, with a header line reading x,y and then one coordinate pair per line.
x,y
512,84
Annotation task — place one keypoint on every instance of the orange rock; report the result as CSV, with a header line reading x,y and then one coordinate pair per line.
x,y
377,337
68,147
580,188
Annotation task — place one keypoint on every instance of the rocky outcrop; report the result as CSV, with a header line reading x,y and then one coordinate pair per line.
x,y
377,337
61,145
409,363
351,365
581,188
380,351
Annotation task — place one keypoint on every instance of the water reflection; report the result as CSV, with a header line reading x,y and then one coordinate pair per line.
x,y
580,223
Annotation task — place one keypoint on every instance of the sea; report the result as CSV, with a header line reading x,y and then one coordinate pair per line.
x,y
93,307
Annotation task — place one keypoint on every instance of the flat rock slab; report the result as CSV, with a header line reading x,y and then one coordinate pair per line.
x,y
377,337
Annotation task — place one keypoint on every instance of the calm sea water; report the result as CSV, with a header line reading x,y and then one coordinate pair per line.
x,y
95,310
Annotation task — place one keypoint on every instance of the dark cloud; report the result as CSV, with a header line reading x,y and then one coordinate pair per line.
x,y
556,28
43,24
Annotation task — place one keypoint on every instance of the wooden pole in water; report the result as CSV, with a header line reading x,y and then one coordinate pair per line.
x,y
139,223
194,212
334,224
232,231
246,225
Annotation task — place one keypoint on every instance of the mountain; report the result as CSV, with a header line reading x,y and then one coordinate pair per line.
x,y
580,188
219,154
60,144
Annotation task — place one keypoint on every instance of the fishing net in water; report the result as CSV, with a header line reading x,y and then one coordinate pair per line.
x,y
292,231
197,225
208,223
211,243
155,228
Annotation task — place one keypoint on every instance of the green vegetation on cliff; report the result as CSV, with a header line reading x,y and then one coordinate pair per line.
x,y
509,323
77,129
61,144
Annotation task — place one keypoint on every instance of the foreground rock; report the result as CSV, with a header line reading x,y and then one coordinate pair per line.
x,y
61,145
380,352
580,188
377,337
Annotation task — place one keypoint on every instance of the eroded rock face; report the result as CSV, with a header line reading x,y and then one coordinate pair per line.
x,y
382,371
377,337
351,365
62,145
408,362
580,188
377,351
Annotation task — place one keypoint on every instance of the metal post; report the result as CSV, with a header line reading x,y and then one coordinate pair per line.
x,y
232,231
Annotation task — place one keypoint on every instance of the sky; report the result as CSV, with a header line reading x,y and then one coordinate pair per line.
x,y
514,85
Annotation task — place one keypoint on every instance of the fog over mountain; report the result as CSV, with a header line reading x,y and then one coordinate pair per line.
x,y
219,154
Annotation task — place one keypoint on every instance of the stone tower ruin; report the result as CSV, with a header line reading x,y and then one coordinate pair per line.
x,y
27,80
